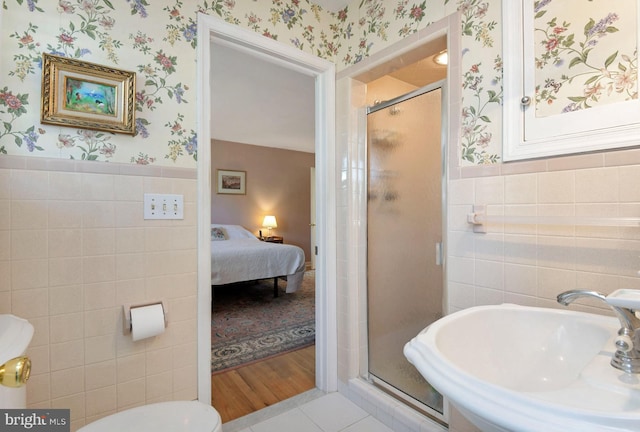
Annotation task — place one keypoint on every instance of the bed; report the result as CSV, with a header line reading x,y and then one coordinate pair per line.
x,y
238,256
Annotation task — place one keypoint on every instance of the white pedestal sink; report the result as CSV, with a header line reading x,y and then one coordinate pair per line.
x,y
517,368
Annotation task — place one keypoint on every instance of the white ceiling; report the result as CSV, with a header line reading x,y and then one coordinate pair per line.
x,y
260,103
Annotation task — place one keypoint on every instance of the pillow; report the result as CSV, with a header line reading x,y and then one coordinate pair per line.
x,y
217,234
233,232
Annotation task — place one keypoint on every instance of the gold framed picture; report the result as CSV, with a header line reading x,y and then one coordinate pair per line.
x,y
232,182
86,95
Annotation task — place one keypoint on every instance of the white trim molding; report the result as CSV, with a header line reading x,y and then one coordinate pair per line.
x,y
210,29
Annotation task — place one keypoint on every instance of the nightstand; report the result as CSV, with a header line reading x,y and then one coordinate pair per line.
x,y
274,239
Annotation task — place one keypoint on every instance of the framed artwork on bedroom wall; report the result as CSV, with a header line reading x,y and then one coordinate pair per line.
x,y
232,182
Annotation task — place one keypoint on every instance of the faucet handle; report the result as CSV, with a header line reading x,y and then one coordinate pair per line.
x,y
625,298
624,343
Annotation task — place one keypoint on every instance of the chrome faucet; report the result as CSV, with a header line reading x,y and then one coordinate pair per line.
x,y
627,355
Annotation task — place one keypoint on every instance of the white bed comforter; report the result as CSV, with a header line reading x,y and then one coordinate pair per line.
x,y
245,259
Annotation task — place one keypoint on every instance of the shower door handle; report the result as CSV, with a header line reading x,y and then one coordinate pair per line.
x,y
439,253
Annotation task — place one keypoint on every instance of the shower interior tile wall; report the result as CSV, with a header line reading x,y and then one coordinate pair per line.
x,y
74,248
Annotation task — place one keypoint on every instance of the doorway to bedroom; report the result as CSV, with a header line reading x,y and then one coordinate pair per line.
x,y
263,347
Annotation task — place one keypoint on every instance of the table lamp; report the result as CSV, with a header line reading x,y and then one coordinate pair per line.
x,y
269,222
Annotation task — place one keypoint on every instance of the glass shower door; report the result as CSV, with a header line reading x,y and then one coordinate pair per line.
x,y
404,224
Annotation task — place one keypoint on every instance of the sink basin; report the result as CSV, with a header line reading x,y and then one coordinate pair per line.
x,y
518,368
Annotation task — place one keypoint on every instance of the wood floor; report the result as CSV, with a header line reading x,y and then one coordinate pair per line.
x,y
250,388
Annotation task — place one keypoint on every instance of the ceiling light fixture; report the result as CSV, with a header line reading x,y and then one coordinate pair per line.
x,y
442,58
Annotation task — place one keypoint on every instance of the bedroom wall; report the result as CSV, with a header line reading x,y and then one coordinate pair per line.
x,y
278,183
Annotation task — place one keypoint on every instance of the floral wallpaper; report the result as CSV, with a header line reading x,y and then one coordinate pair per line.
x,y
582,58
157,40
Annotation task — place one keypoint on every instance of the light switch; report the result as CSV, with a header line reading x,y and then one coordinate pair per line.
x,y
163,206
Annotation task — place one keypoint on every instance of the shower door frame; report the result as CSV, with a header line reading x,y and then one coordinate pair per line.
x,y
442,86
350,125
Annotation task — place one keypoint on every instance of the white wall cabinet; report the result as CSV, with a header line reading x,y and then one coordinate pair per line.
x,y
570,77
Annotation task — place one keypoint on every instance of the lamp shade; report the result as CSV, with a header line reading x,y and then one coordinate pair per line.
x,y
270,222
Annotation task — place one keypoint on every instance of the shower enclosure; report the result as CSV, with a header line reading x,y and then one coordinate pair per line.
x,y
404,243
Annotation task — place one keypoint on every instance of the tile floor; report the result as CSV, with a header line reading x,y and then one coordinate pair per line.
x,y
312,411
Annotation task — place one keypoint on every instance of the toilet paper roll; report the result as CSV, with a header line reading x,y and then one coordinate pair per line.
x,y
147,321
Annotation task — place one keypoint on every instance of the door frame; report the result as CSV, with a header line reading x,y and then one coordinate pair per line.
x,y
210,28
312,222
351,125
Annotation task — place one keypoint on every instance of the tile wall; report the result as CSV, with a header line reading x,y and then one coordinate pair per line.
x,y
531,264
74,248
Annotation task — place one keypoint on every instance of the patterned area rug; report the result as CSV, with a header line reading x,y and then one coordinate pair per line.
x,y
249,324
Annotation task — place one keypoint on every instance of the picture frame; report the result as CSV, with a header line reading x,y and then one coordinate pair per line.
x,y
86,95
231,182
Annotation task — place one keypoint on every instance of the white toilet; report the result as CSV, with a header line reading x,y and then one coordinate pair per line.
x,y
15,367
175,416
179,416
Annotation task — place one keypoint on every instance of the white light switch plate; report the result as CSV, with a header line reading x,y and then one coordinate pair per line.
x,y
163,206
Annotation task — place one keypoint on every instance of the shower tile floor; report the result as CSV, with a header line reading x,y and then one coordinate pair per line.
x,y
312,411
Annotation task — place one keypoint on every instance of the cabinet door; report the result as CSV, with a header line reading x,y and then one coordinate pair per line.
x,y
570,76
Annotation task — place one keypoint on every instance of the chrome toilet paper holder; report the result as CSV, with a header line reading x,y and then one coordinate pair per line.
x,y
126,309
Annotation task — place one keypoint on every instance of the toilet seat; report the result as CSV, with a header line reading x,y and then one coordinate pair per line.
x,y
178,416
